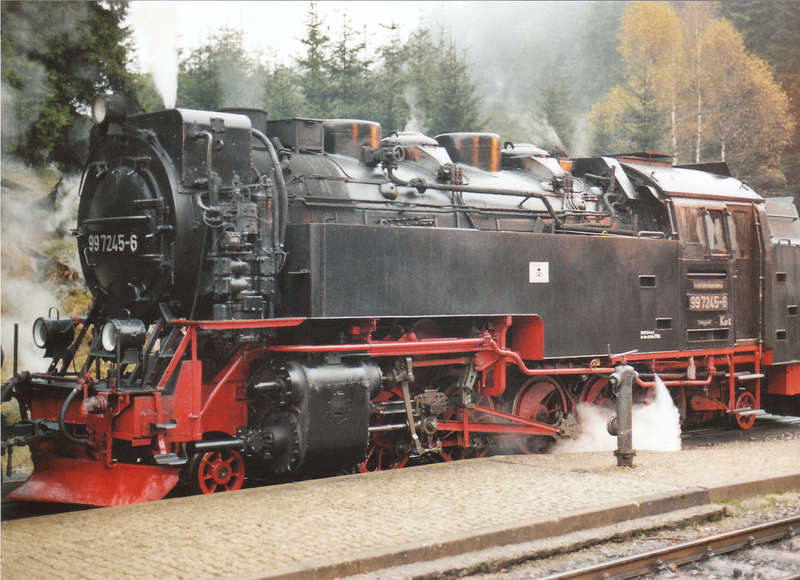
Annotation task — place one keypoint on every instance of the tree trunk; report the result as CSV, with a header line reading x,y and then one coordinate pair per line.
x,y
722,151
673,113
699,134
699,143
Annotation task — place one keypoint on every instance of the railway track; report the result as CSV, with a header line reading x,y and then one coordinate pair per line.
x,y
666,559
767,426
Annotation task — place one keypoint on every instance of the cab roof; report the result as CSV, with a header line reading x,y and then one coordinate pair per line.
x,y
682,182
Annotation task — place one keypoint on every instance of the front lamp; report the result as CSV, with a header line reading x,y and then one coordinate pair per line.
x,y
109,108
122,334
54,335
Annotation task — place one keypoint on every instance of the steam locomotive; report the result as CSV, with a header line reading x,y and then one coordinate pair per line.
x,y
305,296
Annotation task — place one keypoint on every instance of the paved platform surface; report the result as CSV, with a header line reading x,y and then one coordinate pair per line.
x,y
354,524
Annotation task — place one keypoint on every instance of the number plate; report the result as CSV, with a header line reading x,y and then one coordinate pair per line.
x,y
122,243
708,302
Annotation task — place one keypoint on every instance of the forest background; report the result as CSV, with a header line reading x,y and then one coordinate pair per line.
x,y
704,81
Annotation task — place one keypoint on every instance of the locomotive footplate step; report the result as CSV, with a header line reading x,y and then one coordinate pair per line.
x,y
169,459
360,523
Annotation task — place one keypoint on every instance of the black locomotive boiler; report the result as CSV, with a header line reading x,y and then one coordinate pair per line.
x,y
309,296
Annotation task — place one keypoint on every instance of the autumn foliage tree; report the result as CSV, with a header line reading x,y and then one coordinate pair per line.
x,y
747,116
637,111
689,76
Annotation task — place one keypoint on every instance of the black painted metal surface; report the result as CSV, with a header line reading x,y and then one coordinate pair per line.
x,y
585,288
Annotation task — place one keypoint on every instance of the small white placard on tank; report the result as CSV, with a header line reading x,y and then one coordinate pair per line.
x,y
539,272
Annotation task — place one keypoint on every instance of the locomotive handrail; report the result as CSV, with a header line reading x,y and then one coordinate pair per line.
x,y
121,218
651,234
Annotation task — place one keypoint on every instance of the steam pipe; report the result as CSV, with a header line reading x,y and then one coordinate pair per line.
x,y
198,199
517,360
209,169
62,413
217,445
679,383
422,185
610,209
280,210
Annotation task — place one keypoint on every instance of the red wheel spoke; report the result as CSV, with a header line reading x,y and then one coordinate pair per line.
x,y
746,401
540,399
220,471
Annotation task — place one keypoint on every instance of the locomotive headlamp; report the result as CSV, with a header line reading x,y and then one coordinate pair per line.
x,y
99,110
108,107
123,334
53,334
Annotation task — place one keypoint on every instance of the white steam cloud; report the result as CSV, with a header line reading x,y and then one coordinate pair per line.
x,y
155,31
413,123
31,225
656,426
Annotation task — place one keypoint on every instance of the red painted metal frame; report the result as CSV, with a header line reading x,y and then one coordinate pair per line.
x,y
441,362
83,481
679,354
219,400
489,354
173,363
530,427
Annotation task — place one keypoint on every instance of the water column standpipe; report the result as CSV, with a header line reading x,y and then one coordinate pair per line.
x,y
621,426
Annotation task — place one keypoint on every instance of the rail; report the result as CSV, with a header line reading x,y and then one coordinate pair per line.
x,y
657,560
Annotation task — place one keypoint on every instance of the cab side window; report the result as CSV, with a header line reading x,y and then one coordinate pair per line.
x,y
715,230
690,230
741,233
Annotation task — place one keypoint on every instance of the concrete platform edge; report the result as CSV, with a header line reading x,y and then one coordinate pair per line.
x,y
570,522
747,488
494,559
515,533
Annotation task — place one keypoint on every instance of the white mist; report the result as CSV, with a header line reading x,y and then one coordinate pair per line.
x,y
656,426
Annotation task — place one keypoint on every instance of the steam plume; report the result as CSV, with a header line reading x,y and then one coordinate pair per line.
x,y
656,426
154,26
35,240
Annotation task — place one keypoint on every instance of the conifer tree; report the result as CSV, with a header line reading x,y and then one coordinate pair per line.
x,y
282,97
351,81
56,57
219,74
442,94
391,108
314,66
556,105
